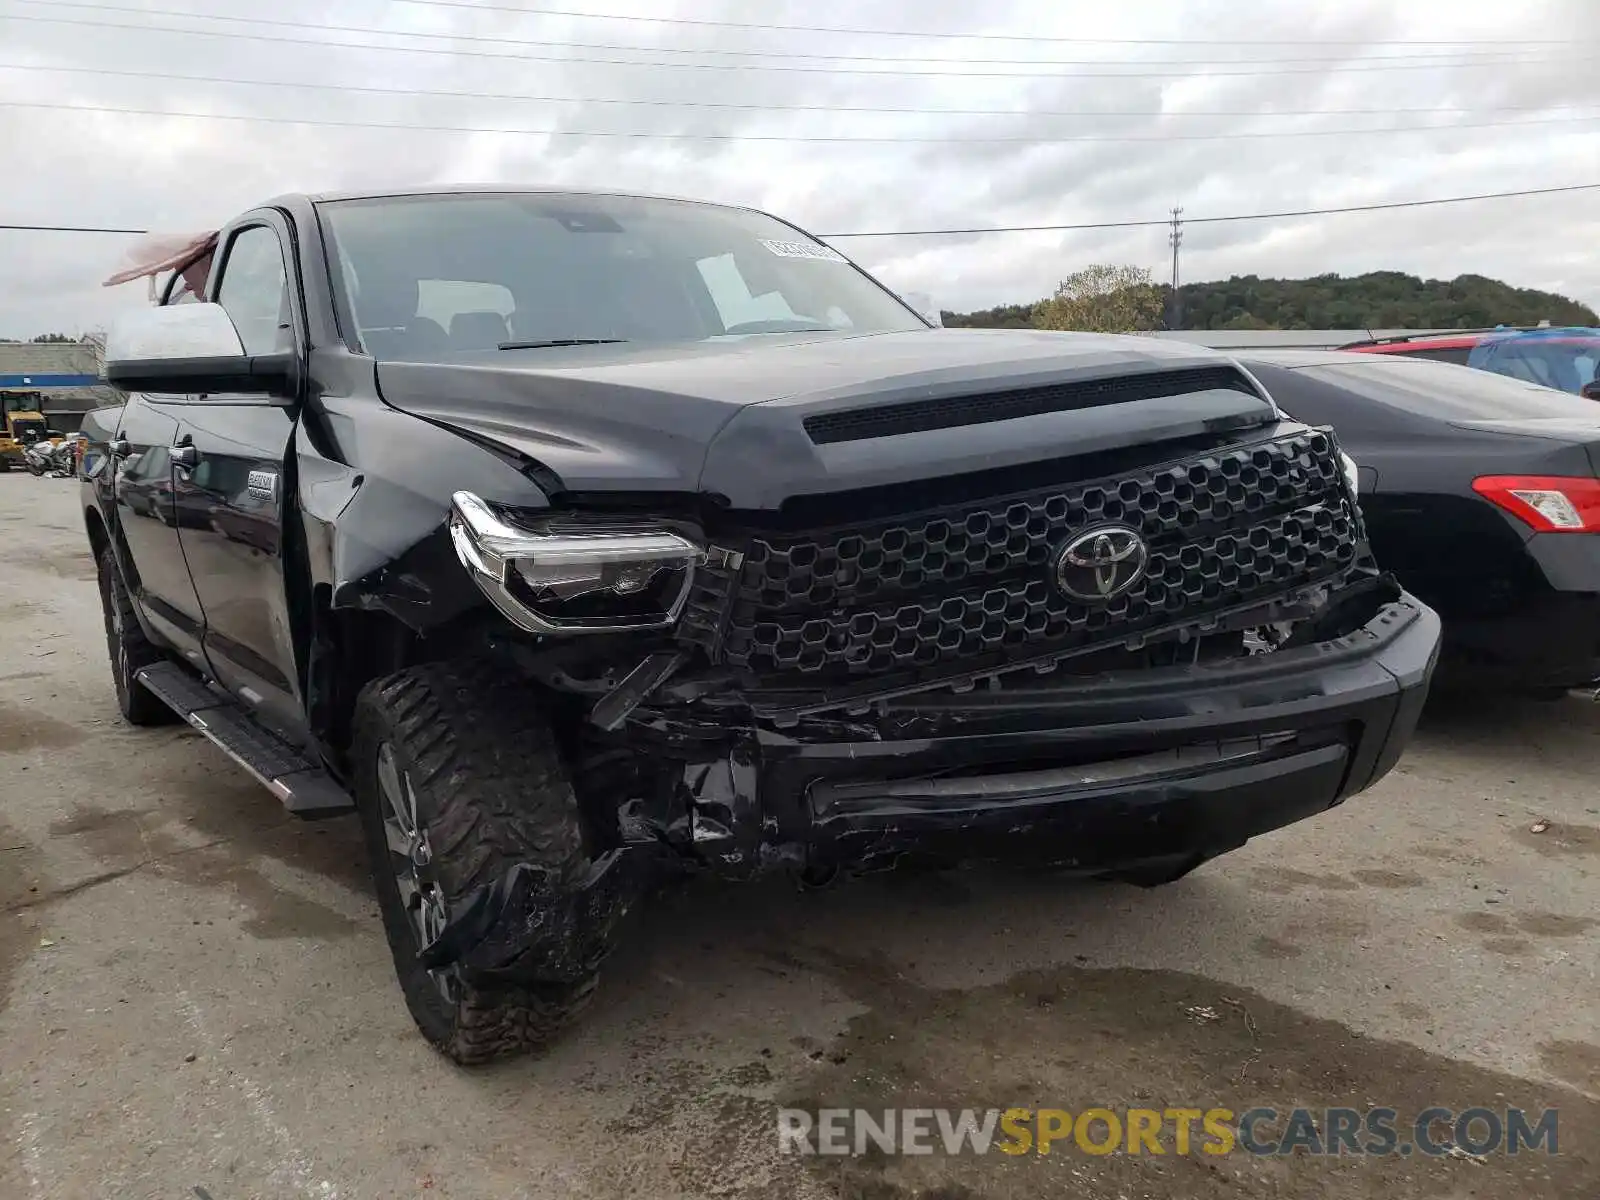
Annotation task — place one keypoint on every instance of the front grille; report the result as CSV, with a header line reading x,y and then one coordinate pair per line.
x,y
945,588
951,412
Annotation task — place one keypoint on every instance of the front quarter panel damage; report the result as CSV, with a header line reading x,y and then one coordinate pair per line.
x,y
375,514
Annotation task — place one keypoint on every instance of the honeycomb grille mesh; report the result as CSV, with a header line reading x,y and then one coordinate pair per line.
x,y
1239,526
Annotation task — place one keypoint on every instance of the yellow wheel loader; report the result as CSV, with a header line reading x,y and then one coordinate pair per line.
x,y
21,424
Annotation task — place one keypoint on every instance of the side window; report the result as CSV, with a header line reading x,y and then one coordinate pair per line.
x,y
1514,361
181,292
186,286
1453,354
255,292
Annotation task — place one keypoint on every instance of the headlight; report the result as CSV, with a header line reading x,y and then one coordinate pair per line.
x,y
565,575
1351,475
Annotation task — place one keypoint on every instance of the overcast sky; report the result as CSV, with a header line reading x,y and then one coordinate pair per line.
x,y
180,173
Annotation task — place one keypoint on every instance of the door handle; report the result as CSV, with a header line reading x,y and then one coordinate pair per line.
x,y
118,447
185,456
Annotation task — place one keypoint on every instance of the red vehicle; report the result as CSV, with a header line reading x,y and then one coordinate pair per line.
x,y
1441,347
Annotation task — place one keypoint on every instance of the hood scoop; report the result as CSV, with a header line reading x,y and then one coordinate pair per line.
x,y
951,412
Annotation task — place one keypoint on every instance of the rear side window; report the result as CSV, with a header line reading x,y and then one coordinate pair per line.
x,y
1450,393
1449,354
181,292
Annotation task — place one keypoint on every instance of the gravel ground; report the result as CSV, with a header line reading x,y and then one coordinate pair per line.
x,y
196,1000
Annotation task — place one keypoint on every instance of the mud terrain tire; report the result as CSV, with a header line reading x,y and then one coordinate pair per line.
x,y
490,791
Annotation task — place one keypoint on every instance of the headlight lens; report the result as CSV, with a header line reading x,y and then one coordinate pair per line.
x,y
569,576
1351,475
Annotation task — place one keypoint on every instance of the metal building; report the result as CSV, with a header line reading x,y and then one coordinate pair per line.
x,y
68,374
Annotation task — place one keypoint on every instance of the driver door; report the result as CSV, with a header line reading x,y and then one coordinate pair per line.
x,y
230,485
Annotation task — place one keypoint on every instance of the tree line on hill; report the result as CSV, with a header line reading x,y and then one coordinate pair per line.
x,y
1120,298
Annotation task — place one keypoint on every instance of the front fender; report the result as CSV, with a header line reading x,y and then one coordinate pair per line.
x,y
374,500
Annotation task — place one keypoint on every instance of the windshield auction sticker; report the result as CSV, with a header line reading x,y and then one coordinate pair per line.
x,y
802,250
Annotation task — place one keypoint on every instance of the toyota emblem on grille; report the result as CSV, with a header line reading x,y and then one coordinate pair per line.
x,y
1101,564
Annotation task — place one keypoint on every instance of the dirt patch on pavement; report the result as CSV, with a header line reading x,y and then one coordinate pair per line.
x,y
1075,1039
1268,947
229,806
112,835
1576,1062
17,939
17,859
20,881
1555,924
1539,924
1449,854
1557,839
1390,879
128,839
1282,881
1511,947
65,564
22,729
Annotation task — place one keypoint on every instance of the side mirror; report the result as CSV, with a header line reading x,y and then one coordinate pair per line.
x,y
1591,390
925,307
192,348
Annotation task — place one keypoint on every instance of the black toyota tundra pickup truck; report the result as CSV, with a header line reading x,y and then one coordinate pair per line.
x,y
579,540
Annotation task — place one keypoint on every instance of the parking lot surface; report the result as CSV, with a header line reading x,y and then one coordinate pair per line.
x,y
196,998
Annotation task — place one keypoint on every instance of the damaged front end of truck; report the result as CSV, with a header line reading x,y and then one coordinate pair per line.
x,y
990,678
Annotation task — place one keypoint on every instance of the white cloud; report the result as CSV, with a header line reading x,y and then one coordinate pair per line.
x,y
180,173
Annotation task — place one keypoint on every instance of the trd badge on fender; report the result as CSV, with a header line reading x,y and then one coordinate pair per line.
x,y
1102,563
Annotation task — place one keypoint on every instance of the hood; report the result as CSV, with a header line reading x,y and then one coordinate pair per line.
x,y
731,417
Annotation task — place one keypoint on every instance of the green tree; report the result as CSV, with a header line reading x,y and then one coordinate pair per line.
x,y
1006,316
1103,298
1376,300
55,339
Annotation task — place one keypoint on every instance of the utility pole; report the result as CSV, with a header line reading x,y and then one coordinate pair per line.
x,y
1175,238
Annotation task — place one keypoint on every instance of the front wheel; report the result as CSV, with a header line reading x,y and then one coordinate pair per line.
x,y
457,782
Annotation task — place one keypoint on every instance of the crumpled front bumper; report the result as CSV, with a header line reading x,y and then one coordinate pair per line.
x,y
1096,775
1156,767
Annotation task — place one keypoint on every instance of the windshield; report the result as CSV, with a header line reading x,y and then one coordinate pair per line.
x,y
18,402
437,275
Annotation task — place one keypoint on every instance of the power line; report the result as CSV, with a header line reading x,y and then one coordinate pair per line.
x,y
283,39
987,37
72,229
821,108
1163,221
1268,216
830,139
1499,56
